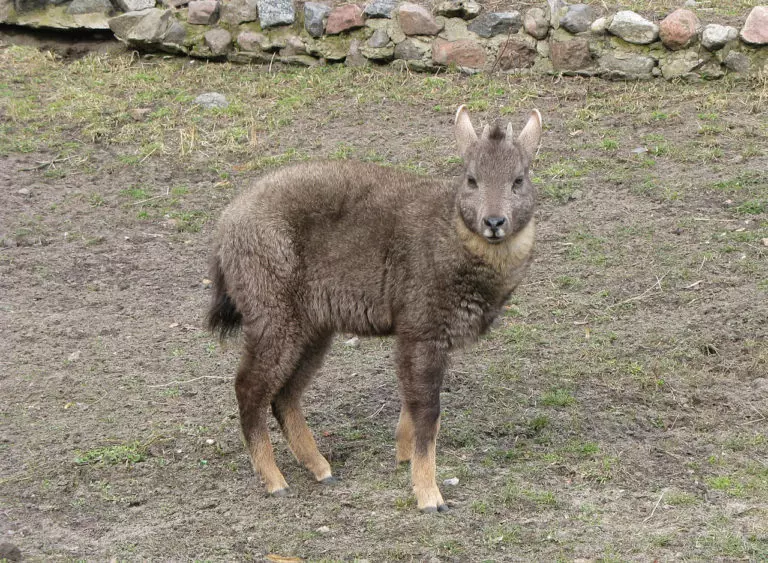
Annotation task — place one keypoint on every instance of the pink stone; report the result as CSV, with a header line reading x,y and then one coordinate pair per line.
x,y
203,12
516,54
570,55
679,29
415,20
755,30
464,52
343,18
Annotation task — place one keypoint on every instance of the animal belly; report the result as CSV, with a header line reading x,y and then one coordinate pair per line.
x,y
351,311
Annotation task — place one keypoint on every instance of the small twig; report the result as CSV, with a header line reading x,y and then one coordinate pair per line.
x,y
654,508
149,199
642,295
188,381
381,408
694,284
48,163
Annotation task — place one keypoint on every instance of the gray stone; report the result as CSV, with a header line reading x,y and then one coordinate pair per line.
x,y
737,62
90,7
203,12
300,60
578,18
455,29
219,41
536,23
235,12
623,66
711,71
315,15
412,49
679,63
176,33
147,27
379,39
211,100
330,48
378,54
135,5
250,40
380,8
495,23
275,12
633,28
465,9
293,46
715,37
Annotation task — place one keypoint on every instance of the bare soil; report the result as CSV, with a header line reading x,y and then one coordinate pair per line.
x,y
617,411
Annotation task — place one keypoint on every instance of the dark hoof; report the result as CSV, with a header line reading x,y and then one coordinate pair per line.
x,y
330,480
429,510
280,492
443,508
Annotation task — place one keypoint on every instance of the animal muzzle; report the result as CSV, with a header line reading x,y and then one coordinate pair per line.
x,y
495,228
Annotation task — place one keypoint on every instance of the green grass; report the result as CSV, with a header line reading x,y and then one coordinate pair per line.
x,y
124,454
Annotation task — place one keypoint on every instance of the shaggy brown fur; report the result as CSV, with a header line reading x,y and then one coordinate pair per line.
x,y
319,248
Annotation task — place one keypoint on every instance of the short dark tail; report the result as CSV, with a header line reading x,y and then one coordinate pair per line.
x,y
223,316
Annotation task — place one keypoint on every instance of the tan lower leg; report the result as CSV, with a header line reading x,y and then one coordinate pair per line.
x,y
404,437
423,469
263,460
302,443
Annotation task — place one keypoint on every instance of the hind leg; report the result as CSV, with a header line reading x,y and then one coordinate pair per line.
x,y
263,370
286,406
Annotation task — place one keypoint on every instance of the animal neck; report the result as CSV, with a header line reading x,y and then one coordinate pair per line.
x,y
504,256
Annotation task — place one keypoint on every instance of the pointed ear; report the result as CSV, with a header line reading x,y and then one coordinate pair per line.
x,y
530,136
465,133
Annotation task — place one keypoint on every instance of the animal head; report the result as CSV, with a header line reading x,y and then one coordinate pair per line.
x,y
496,198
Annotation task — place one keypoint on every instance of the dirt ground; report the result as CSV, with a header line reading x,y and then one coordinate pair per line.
x,y
616,412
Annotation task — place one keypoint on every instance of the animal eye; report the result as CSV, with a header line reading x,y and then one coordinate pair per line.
x,y
518,182
471,182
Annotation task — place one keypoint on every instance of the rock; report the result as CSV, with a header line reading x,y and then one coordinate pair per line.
x,y
633,28
495,23
315,15
578,18
452,482
626,66
24,192
679,64
455,29
737,62
411,49
711,70
380,8
378,54
250,40
395,33
9,552
379,39
536,23
557,9
147,27
219,41
293,46
715,37
300,60
349,16
235,12
415,20
174,3
211,100
275,12
599,26
323,530
514,54
353,342
74,356
464,53
90,7
570,55
135,5
679,29
465,9
333,48
354,57
203,12
755,30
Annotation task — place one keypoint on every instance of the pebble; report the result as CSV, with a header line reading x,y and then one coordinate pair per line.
x,y
207,283
74,356
323,530
23,191
210,441
211,100
452,482
353,342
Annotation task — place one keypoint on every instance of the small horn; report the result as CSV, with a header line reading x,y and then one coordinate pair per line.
x,y
486,132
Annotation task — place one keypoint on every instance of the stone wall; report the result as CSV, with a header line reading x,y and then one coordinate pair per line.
x,y
553,38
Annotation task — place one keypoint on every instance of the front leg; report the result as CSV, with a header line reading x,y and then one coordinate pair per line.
x,y
420,373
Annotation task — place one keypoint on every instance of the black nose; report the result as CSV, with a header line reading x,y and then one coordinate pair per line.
x,y
495,222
